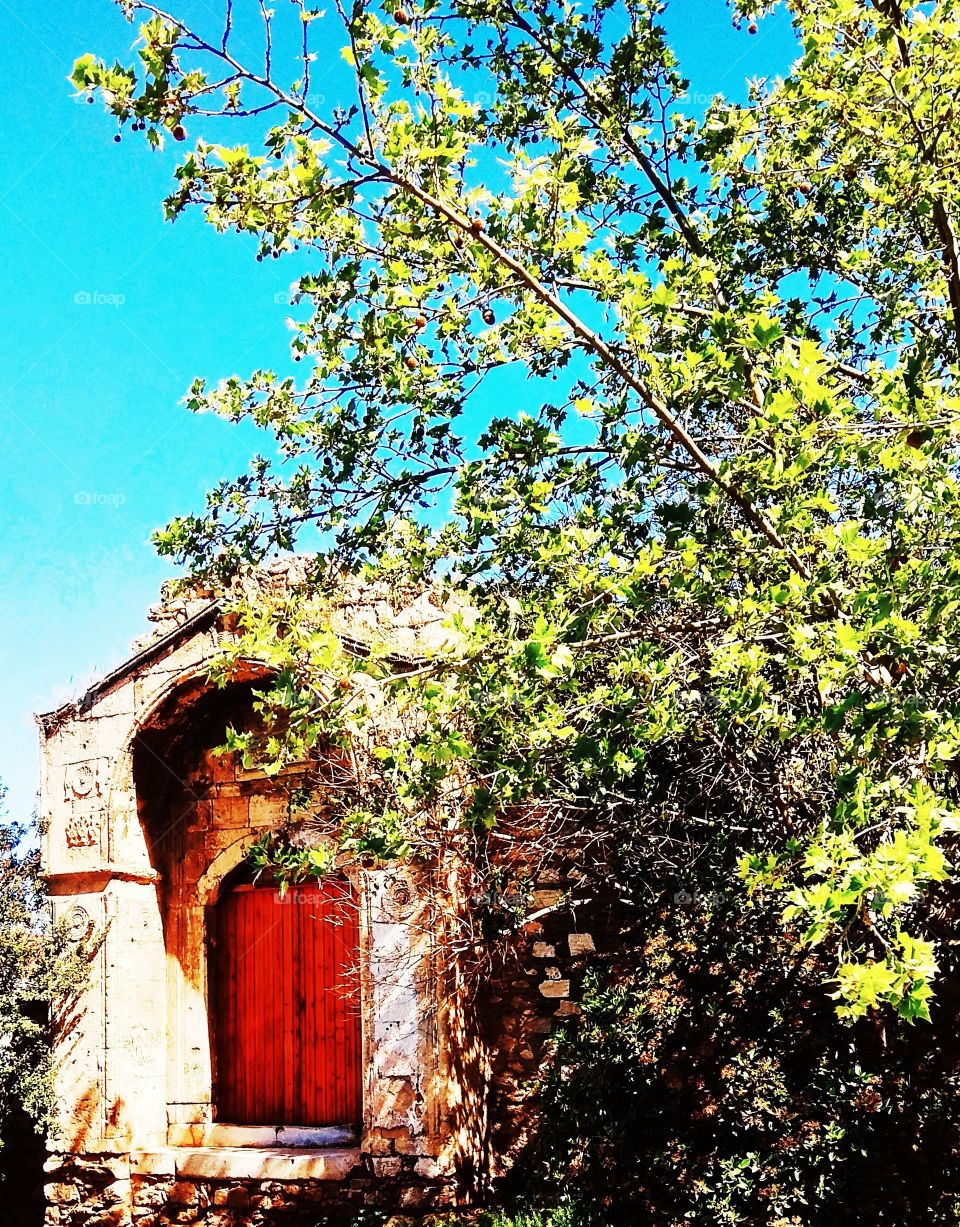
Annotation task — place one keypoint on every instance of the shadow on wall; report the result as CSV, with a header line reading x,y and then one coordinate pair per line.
x,y
173,765
80,1188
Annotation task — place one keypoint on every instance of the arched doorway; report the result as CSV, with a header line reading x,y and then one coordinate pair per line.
x,y
285,1004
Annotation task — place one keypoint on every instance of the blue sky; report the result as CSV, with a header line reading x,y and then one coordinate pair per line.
x,y
107,315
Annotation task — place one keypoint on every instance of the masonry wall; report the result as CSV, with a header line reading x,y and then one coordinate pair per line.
x,y
144,822
534,979
144,825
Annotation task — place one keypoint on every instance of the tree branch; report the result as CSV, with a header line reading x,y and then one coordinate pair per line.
x,y
950,252
473,228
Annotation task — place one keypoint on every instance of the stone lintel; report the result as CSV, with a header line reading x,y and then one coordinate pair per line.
x,y
95,881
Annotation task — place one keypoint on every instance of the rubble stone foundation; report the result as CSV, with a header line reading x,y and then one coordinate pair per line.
x,y
152,1190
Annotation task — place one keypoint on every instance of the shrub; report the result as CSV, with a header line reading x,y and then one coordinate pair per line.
x,y
39,966
712,1082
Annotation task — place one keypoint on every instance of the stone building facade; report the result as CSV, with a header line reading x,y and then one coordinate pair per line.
x,y
147,832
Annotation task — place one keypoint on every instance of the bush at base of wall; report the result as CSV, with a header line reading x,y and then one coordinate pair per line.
x,y
711,1082
563,1216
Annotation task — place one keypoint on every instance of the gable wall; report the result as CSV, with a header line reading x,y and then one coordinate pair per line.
x,y
134,1076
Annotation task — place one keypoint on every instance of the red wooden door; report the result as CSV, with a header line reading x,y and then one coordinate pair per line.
x,y
286,1020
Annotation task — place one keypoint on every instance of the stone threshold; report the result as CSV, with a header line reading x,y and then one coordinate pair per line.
x,y
246,1162
261,1136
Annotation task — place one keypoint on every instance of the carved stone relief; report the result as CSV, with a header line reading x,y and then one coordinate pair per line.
x,y
84,781
83,829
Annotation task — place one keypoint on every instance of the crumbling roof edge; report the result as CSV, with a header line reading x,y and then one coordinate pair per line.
x,y
48,721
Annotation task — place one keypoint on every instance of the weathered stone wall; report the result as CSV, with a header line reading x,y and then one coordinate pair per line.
x,y
144,824
534,980
152,1190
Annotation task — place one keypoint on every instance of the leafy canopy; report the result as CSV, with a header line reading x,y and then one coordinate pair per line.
x,y
724,505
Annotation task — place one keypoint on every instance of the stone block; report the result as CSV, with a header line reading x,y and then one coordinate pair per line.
x,y
547,898
103,1170
220,767
389,1167
62,1194
145,1218
428,1168
581,944
413,1196
202,815
555,988
184,1193
278,1163
404,1142
119,1193
219,1218
216,840
232,812
267,811
377,1144
543,950
113,1216
195,864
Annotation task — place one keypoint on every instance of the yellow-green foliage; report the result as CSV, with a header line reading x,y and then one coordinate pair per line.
x,y
722,494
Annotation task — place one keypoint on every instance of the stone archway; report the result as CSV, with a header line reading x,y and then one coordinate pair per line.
x,y
145,825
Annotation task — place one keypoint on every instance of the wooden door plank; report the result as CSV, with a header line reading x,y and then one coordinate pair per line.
x,y
287,1030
